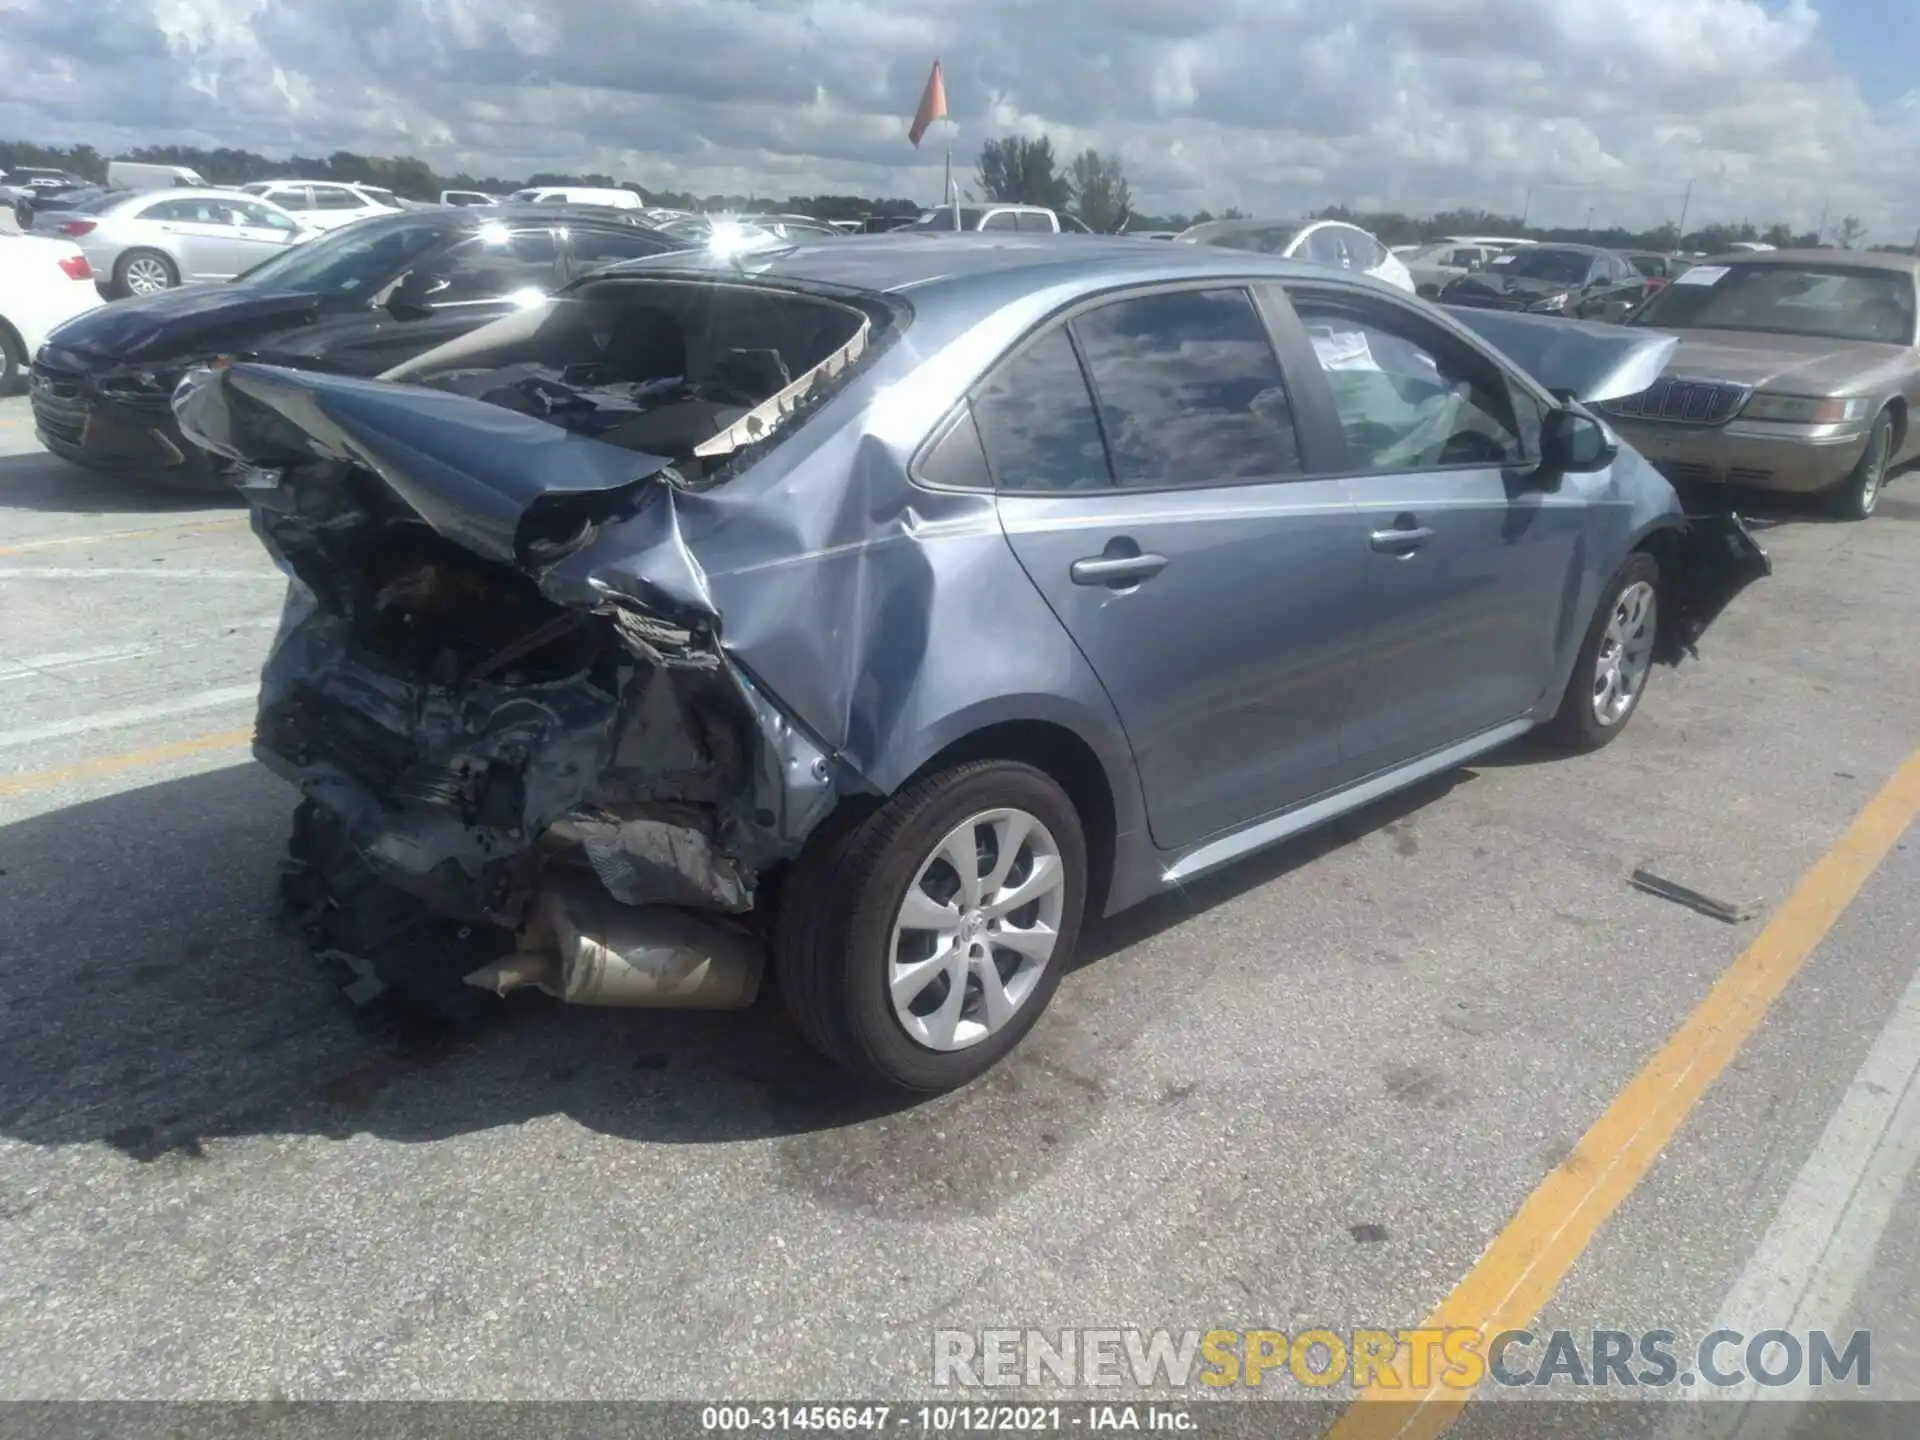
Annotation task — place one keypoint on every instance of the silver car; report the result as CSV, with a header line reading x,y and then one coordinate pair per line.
x,y
885,611
147,241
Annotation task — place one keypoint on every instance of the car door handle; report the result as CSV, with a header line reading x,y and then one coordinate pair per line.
x,y
1401,541
1118,571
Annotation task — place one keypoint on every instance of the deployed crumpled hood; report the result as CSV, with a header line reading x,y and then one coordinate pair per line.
x,y
471,470
1584,358
1800,364
180,323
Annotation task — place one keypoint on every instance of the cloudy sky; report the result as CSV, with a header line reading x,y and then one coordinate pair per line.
x,y
1773,108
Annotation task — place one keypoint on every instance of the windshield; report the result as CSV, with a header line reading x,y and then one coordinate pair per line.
x,y
1827,301
1563,267
385,197
354,261
1234,235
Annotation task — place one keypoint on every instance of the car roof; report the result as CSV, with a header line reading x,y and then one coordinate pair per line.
x,y
1575,246
181,192
979,268
1844,259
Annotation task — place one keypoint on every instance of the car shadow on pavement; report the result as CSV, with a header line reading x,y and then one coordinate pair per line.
x,y
149,1001
40,481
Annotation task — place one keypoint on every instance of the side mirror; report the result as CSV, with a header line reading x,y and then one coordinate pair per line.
x,y
1572,442
414,295
1474,267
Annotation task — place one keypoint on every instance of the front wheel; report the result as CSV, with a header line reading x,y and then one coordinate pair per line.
x,y
1615,662
920,946
1857,496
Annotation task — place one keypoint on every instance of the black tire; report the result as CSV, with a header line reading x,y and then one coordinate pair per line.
x,y
840,900
13,360
167,267
1857,496
1576,726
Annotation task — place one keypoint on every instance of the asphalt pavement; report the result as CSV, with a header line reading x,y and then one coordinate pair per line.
x,y
1316,1091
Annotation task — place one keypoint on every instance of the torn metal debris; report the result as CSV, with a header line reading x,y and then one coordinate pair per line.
x,y
1643,879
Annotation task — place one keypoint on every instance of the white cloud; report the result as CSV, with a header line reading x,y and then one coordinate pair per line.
x,y
1272,105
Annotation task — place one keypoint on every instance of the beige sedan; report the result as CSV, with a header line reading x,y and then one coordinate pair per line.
x,y
1797,371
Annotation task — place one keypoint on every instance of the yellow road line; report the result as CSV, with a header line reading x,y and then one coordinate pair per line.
x,y
127,760
1521,1269
187,528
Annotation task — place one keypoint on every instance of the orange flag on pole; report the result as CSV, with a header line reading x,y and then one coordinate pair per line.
x,y
933,106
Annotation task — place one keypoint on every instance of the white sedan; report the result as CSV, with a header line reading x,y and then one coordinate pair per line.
x,y
43,282
1325,242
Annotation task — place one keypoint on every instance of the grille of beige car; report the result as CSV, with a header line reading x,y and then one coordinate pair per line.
x,y
1685,402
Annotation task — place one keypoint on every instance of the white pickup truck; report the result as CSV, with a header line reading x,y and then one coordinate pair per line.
x,y
1025,218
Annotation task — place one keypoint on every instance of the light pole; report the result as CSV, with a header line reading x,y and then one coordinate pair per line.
x,y
1686,204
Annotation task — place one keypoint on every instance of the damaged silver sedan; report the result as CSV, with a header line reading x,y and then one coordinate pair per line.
x,y
886,611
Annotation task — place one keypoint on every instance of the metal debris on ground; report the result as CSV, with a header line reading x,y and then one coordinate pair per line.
x,y
1653,884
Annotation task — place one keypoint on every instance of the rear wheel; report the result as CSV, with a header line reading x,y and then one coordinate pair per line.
x,y
1615,661
1856,497
920,946
144,272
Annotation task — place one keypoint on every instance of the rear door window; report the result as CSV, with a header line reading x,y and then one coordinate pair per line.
x,y
1036,421
492,266
591,249
1002,220
1189,390
261,218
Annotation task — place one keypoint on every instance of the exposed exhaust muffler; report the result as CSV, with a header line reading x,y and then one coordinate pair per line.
x,y
584,947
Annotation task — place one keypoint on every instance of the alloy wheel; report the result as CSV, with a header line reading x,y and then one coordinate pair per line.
x,y
146,276
1626,653
976,929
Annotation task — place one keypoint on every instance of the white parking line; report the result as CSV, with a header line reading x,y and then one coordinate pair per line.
x,y
149,572
1821,1244
32,666
132,715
